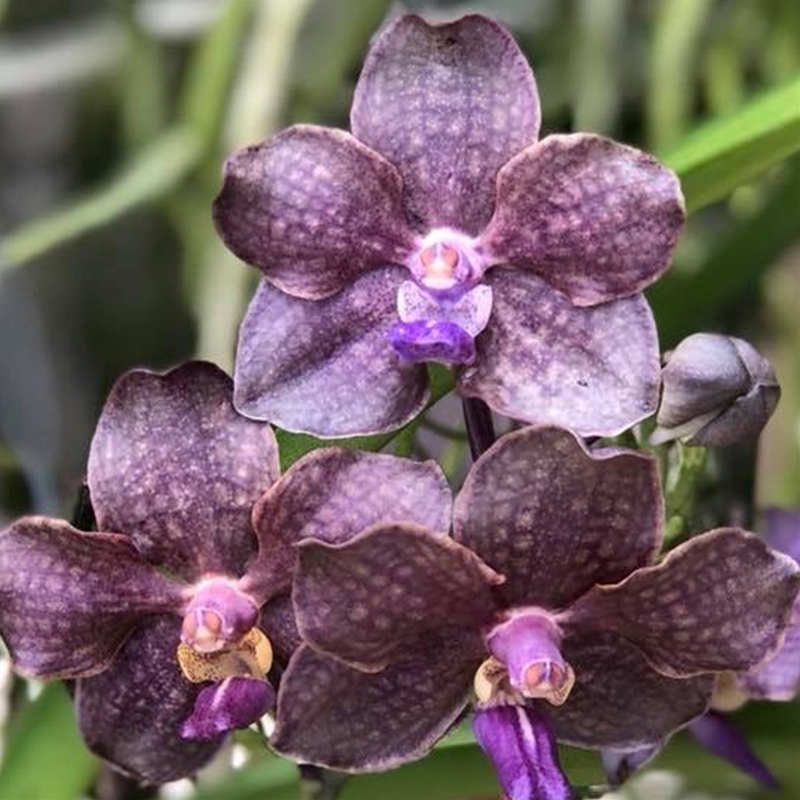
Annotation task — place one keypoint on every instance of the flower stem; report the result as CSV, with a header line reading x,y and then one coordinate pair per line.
x,y
680,491
480,426
317,783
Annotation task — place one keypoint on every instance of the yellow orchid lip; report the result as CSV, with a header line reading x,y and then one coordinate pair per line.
x,y
250,657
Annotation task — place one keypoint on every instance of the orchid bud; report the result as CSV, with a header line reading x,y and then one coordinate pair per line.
x,y
717,391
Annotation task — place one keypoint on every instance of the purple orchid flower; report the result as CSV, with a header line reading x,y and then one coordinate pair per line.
x,y
441,230
777,678
547,605
169,625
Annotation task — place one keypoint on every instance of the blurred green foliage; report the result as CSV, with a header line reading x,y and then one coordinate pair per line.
x,y
114,120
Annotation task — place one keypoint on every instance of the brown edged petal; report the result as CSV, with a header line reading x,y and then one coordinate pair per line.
x,y
541,359
448,105
69,599
131,714
339,717
721,601
332,495
327,367
367,601
173,466
313,209
596,219
618,701
555,518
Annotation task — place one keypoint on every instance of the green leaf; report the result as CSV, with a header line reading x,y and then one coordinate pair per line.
x,y
45,758
725,153
148,176
686,302
293,446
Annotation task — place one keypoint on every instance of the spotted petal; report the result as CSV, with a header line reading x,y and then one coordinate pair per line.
x,y
173,466
366,602
448,105
721,601
334,494
68,599
327,367
314,209
339,717
131,714
779,678
782,530
555,518
596,219
618,701
541,359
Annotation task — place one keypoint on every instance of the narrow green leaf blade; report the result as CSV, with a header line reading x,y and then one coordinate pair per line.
x,y
725,153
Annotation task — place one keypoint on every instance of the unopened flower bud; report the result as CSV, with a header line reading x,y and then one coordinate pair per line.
x,y
717,391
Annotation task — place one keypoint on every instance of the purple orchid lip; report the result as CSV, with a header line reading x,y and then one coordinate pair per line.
x,y
424,340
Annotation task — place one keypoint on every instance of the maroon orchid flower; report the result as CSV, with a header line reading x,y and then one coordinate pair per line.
x,y
441,230
547,606
169,624
777,678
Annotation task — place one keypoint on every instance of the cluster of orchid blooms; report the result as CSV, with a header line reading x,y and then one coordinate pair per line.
x,y
352,597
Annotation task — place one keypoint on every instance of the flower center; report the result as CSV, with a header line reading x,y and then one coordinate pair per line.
x,y
526,662
440,261
445,307
217,617
447,260
219,637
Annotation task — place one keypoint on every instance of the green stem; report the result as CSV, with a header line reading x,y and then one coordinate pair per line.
x,y
681,490
317,783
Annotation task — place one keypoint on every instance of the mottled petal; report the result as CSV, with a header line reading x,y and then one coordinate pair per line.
x,y
555,518
327,367
131,714
69,599
781,528
173,466
778,678
719,602
339,717
334,494
313,209
719,736
448,105
226,706
596,219
523,751
541,359
278,622
619,765
366,602
618,701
